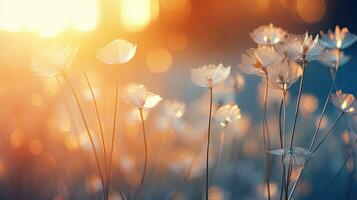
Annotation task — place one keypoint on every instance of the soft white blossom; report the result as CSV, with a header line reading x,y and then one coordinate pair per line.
x,y
54,59
227,114
300,47
330,57
284,74
268,35
209,75
256,61
137,96
340,39
117,52
344,102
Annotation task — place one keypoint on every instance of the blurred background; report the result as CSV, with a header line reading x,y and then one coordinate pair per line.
x,y
44,152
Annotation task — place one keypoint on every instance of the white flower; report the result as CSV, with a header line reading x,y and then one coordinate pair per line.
x,y
268,35
174,109
117,52
340,39
296,156
284,74
300,47
209,75
330,57
256,61
344,102
137,96
227,114
53,60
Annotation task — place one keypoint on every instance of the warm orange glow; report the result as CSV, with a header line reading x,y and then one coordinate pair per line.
x,y
37,100
159,60
35,146
48,17
311,10
16,138
177,41
136,14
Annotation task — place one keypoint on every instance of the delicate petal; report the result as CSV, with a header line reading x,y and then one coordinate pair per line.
x,y
227,114
53,60
256,61
209,75
117,52
136,95
299,47
344,102
284,74
330,57
340,39
268,35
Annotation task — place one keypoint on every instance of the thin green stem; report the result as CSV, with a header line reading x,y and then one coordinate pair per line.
x,y
88,132
208,138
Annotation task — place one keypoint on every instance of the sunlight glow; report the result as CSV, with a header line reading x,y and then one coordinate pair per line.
x,y
48,17
136,14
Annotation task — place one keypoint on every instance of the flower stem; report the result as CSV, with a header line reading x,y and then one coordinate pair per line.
x,y
266,137
282,131
347,157
145,146
208,138
328,132
113,134
100,128
88,132
314,135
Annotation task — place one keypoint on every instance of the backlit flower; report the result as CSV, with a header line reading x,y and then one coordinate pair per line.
x,y
344,102
300,47
137,96
117,52
296,156
209,75
330,57
268,35
174,109
53,60
340,39
227,114
256,61
284,74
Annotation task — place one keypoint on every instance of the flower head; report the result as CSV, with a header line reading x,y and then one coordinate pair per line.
x,y
344,102
53,60
340,39
174,109
296,155
268,35
137,96
227,114
300,47
330,57
209,75
256,61
284,74
117,52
